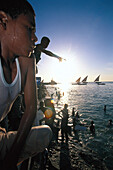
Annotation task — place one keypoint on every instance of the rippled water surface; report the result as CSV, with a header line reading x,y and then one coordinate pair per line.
x,y
89,100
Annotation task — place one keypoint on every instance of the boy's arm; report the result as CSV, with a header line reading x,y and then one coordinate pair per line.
x,y
39,48
52,54
28,117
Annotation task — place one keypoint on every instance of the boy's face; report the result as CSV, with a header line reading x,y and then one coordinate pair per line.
x,y
45,44
20,35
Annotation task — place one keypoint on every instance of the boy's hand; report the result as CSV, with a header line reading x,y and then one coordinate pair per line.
x,y
60,59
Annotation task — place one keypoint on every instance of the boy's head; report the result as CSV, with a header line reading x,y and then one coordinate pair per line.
x,y
45,42
110,121
15,7
66,106
17,26
92,122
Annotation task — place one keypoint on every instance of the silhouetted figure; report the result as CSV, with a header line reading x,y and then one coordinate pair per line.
x,y
41,48
73,112
64,123
73,118
56,130
77,116
92,127
59,95
104,108
110,122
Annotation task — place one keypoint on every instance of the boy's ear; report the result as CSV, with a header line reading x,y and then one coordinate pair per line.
x,y
3,19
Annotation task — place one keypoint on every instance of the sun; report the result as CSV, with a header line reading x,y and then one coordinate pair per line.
x,y
65,71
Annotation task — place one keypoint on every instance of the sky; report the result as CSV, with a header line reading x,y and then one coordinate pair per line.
x,y
81,31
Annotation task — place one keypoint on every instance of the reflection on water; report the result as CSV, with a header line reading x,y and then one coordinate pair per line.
x,y
90,100
64,88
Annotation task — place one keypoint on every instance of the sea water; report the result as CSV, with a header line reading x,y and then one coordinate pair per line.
x,y
89,100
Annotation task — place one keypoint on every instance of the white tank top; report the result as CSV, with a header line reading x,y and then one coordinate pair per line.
x,y
8,92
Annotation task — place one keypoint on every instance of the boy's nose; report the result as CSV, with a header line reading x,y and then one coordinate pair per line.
x,y
35,39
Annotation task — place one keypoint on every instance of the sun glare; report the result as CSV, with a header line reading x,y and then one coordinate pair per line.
x,y
65,71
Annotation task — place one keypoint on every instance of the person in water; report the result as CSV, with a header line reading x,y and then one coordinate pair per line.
x,y
104,108
110,122
17,75
92,127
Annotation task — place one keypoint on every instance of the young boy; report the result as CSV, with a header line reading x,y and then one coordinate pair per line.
x,y
41,48
17,74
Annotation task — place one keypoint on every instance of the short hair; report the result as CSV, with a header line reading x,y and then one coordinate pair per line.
x,y
45,39
92,122
16,7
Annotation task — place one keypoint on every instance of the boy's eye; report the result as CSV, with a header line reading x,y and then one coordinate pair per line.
x,y
31,29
